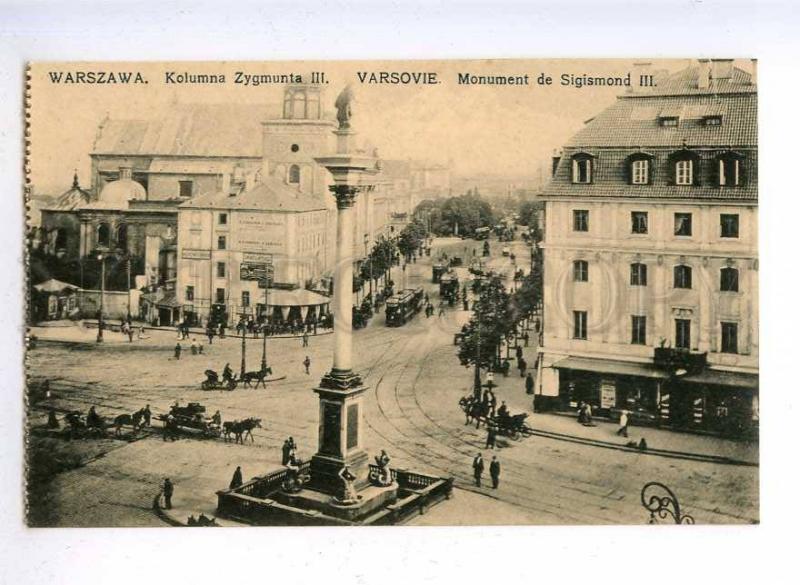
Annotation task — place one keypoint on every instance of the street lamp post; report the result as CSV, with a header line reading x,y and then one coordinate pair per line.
x,y
371,296
102,260
266,324
244,338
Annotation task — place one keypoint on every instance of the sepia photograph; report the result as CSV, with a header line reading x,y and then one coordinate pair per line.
x,y
483,292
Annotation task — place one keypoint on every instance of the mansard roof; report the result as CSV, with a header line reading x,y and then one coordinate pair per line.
x,y
268,195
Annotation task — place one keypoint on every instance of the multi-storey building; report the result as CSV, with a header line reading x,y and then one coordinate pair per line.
x,y
651,266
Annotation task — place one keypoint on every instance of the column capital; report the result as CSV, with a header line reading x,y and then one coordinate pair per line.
x,y
345,195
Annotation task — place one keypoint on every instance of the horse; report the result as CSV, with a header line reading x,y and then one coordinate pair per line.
x,y
245,428
133,420
259,376
228,428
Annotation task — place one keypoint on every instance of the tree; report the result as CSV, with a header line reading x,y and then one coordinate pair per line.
x,y
486,330
529,214
469,212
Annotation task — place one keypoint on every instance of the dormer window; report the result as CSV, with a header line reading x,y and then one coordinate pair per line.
x,y
729,169
712,120
582,170
668,121
685,167
638,168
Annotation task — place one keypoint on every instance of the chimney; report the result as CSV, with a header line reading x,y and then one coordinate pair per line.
x,y
754,72
721,68
556,160
703,74
125,172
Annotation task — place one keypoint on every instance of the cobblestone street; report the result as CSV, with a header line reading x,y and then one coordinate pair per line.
x,y
415,382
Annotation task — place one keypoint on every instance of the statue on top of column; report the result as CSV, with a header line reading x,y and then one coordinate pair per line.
x,y
343,107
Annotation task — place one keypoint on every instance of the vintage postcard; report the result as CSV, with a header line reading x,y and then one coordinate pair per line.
x,y
356,293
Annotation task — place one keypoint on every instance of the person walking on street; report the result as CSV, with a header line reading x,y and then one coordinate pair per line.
x,y
491,436
178,351
167,489
194,346
305,339
526,337
236,480
522,365
529,383
623,424
146,414
477,469
307,364
494,471
130,333
285,452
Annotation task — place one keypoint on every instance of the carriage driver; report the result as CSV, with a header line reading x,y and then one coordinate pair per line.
x,y
227,373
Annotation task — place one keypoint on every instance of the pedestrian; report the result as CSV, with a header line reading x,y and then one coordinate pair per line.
x,y
130,333
522,365
623,424
491,435
194,346
529,383
178,351
167,490
466,304
526,337
307,364
236,480
285,452
518,351
492,402
477,469
494,471
222,330
146,414
210,334
52,421
305,339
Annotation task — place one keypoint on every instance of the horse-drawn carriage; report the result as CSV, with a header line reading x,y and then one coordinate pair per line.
x,y
213,382
78,427
448,287
191,416
508,425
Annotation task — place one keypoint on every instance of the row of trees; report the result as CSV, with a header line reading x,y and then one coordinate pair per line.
x,y
496,318
464,213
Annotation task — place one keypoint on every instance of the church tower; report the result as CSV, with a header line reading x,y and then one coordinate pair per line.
x,y
291,142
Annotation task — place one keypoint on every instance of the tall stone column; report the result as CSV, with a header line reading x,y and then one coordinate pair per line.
x,y
341,390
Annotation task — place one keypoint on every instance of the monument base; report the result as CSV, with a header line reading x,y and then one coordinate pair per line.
x,y
370,500
325,471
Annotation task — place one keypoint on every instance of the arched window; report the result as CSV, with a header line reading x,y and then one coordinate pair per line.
x,y
682,276
582,167
638,167
122,237
728,168
729,280
294,174
103,235
580,271
685,165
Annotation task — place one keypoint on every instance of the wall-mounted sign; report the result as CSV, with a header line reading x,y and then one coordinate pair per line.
x,y
189,254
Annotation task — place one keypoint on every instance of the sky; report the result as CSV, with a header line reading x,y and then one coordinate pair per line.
x,y
480,129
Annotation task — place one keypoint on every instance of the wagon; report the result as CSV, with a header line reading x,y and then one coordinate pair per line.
x,y
192,416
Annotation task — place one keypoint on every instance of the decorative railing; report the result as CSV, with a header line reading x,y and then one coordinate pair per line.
x,y
659,500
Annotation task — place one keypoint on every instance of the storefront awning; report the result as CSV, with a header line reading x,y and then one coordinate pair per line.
x,y
295,298
720,378
617,367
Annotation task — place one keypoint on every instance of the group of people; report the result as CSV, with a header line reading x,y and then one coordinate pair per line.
x,y
196,348
478,468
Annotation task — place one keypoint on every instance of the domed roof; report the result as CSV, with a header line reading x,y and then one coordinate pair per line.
x,y
115,195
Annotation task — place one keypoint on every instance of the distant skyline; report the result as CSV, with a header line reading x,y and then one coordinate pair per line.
x,y
483,130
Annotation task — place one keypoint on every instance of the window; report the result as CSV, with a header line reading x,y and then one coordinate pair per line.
x,y
683,224
668,121
185,188
729,225
122,237
729,169
638,330
729,280
683,172
683,333
638,222
189,293
220,270
730,338
582,168
222,219
580,220
580,319
682,276
222,242
580,271
220,295
638,274
245,298
640,172
294,174
712,120
103,235
295,147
